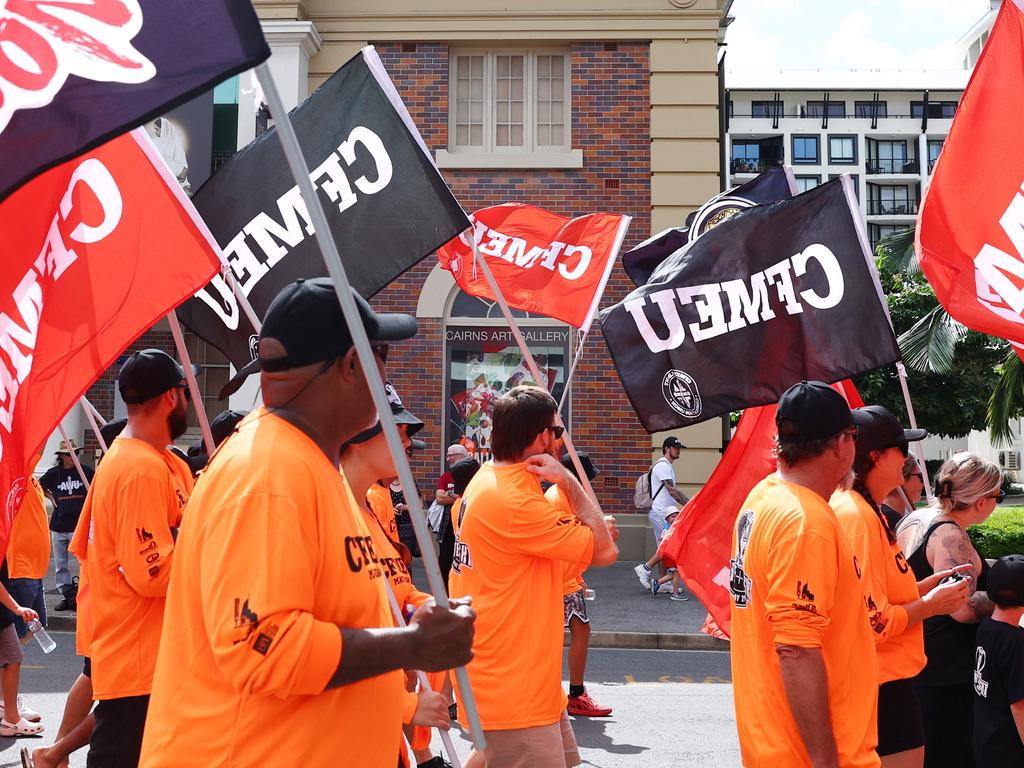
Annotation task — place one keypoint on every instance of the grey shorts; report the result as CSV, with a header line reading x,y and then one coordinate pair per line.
x,y
575,605
545,746
10,646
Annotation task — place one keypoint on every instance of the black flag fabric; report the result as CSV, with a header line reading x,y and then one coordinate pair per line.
x,y
89,71
774,184
785,292
385,201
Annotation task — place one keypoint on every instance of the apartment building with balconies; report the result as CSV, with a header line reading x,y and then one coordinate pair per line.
x,y
884,128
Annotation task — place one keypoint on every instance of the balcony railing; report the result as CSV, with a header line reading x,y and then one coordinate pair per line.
x,y
753,166
892,207
893,165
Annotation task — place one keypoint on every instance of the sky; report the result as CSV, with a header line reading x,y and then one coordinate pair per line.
x,y
849,34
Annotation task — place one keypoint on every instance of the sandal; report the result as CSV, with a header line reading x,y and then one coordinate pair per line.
x,y
26,759
21,728
24,710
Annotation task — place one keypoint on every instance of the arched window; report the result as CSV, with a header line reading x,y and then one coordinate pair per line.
x,y
483,361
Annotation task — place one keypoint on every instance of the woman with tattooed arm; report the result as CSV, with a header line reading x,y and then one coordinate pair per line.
x,y
935,539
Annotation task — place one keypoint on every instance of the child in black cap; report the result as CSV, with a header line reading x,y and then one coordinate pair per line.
x,y
999,670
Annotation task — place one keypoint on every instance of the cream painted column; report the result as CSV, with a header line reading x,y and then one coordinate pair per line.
x,y
684,127
292,45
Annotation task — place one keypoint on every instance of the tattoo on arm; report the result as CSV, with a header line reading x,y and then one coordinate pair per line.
x,y
674,492
980,604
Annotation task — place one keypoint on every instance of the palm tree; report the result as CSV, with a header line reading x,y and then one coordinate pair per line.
x,y
929,346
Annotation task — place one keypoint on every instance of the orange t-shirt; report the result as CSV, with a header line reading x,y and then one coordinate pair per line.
x,y
888,585
379,499
572,580
274,555
28,553
133,504
510,554
794,581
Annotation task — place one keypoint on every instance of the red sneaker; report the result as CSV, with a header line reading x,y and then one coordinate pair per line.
x,y
584,706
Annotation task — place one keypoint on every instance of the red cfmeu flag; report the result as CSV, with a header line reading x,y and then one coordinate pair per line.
x,y
970,234
542,262
95,252
699,543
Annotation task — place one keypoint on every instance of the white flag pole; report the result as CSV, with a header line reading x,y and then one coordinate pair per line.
x,y
862,233
95,412
74,456
193,385
620,235
332,260
532,365
918,445
446,740
86,406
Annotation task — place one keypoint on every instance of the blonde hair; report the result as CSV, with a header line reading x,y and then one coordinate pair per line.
x,y
963,479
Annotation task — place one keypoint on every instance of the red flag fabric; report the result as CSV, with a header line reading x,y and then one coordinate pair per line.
x,y
970,234
542,262
699,542
96,251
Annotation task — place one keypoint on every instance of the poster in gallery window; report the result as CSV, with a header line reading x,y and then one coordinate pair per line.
x,y
484,363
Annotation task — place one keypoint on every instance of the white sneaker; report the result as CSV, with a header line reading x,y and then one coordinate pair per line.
x,y
24,710
644,574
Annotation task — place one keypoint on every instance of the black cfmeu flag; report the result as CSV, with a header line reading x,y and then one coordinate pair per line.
x,y
785,292
385,201
774,184
89,71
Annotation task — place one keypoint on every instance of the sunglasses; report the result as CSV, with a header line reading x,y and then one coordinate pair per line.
x,y
556,431
998,497
381,350
188,392
918,475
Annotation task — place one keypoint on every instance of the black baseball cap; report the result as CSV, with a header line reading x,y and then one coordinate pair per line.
x,y
1005,584
878,429
221,427
306,318
812,410
588,465
399,411
149,373
671,442
462,472
112,429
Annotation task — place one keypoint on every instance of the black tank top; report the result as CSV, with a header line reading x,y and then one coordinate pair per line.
x,y
948,643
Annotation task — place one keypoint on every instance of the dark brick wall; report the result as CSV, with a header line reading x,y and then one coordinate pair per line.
x,y
611,124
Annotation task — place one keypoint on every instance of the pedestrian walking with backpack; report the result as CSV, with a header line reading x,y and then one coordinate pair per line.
x,y
656,492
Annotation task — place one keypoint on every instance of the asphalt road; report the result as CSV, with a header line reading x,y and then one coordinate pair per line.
x,y
670,707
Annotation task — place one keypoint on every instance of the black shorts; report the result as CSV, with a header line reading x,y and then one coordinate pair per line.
x,y
117,738
899,718
87,666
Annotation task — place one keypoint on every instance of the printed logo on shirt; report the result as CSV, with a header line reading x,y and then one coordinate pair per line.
x,y
803,592
901,562
461,556
72,487
361,555
143,535
246,621
739,582
264,639
856,566
980,684
877,621
181,498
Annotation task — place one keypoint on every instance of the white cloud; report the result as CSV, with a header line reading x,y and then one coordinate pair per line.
x,y
751,48
959,14
852,45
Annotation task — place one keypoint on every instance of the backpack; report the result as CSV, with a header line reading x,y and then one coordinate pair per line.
x,y
642,498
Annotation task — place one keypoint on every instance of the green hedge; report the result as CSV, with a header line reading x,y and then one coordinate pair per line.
x,y
1002,534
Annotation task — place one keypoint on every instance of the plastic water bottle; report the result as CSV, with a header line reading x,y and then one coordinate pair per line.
x,y
46,642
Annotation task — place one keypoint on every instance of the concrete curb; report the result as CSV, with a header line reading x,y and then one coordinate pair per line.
x,y
655,641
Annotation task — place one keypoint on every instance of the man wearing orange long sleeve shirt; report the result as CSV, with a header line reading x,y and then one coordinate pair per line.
x,y
130,515
279,645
